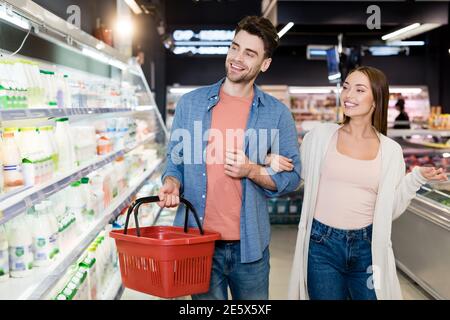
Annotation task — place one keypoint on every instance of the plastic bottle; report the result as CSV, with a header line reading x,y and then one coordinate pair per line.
x,y
49,148
65,146
2,181
59,210
76,204
30,148
41,236
53,222
67,92
3,98
20,248
99,195
90,264
4,255
12,162
88,199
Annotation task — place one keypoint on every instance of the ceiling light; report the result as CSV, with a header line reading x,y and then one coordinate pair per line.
x,y
385,51
134,6
405,43
400,31
285,29
124,27
411,31
181,90
317,90
406,90
335,76
11,17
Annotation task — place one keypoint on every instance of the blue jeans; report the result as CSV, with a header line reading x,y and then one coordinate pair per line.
x,y
340,263
247,281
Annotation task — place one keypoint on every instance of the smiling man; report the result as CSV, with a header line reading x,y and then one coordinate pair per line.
x,y
227,175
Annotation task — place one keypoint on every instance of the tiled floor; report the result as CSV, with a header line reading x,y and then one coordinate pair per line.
x,y
282,250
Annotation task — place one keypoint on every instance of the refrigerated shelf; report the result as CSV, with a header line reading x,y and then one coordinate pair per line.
x,y
11,206
37,285
421,235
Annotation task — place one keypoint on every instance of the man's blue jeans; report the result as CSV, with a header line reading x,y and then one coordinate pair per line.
x,y
339,263
247,281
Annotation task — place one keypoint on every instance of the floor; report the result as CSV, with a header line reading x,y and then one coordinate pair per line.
x,y
282,250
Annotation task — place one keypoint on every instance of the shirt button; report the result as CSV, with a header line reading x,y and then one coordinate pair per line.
x,y
204,174
203,196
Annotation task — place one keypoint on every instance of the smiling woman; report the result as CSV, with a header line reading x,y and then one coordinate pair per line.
x,y
369,89
355,185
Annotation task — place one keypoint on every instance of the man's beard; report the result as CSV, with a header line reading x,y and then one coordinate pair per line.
x,y
246,78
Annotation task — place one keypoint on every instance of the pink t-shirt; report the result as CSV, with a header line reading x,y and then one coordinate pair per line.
x,y
224,194
348,190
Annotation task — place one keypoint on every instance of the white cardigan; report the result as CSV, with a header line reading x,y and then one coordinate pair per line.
x,y
394,195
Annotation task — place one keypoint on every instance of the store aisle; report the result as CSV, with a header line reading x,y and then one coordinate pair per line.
x,y
282,250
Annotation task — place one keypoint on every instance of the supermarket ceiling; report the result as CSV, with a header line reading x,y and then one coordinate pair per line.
x,y
314,21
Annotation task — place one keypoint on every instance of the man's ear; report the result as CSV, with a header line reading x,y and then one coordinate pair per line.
x,y
266,64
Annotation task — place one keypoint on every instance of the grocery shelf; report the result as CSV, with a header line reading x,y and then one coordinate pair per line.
x,y
114,289
23,114
409,132
35,286
18,202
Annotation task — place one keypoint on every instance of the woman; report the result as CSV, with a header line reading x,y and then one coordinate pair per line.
x,y
402,120
355,186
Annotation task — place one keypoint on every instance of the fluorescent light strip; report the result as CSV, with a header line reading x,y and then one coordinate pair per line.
x,y
134,6
285,29
300,90
405,90
405,43
95,55
102,58
384,51
318,52
202,43
334,76
181,90
14,19
400,31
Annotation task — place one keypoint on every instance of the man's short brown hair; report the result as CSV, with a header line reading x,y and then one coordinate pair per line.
x,y
262,28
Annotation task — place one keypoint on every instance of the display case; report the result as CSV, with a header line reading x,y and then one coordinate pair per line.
x,y
313,104
174,93
77,146
421,236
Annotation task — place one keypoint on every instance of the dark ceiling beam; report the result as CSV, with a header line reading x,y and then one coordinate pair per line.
x,y
355,13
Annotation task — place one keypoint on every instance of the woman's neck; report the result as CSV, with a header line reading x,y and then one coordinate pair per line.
x,y
360,128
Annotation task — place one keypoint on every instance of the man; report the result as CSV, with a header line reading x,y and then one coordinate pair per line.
x,y
224,175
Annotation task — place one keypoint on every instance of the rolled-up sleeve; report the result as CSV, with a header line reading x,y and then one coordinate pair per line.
x,y
287,146
174,165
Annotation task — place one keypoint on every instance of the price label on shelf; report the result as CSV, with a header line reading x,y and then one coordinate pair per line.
x,y
38,113
14,114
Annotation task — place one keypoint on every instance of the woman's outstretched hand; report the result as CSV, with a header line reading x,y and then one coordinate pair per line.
x,y
433,174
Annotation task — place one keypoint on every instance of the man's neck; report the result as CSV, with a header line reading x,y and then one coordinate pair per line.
x,y
241,90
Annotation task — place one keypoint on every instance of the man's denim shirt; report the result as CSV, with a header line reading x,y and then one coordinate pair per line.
x,y
186,154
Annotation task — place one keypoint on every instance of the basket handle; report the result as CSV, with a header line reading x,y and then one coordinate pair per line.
x,y
138,202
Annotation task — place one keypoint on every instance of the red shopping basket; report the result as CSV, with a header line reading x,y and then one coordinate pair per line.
x,y
165,261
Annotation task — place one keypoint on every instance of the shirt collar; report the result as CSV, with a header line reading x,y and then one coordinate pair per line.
x,y
213,94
